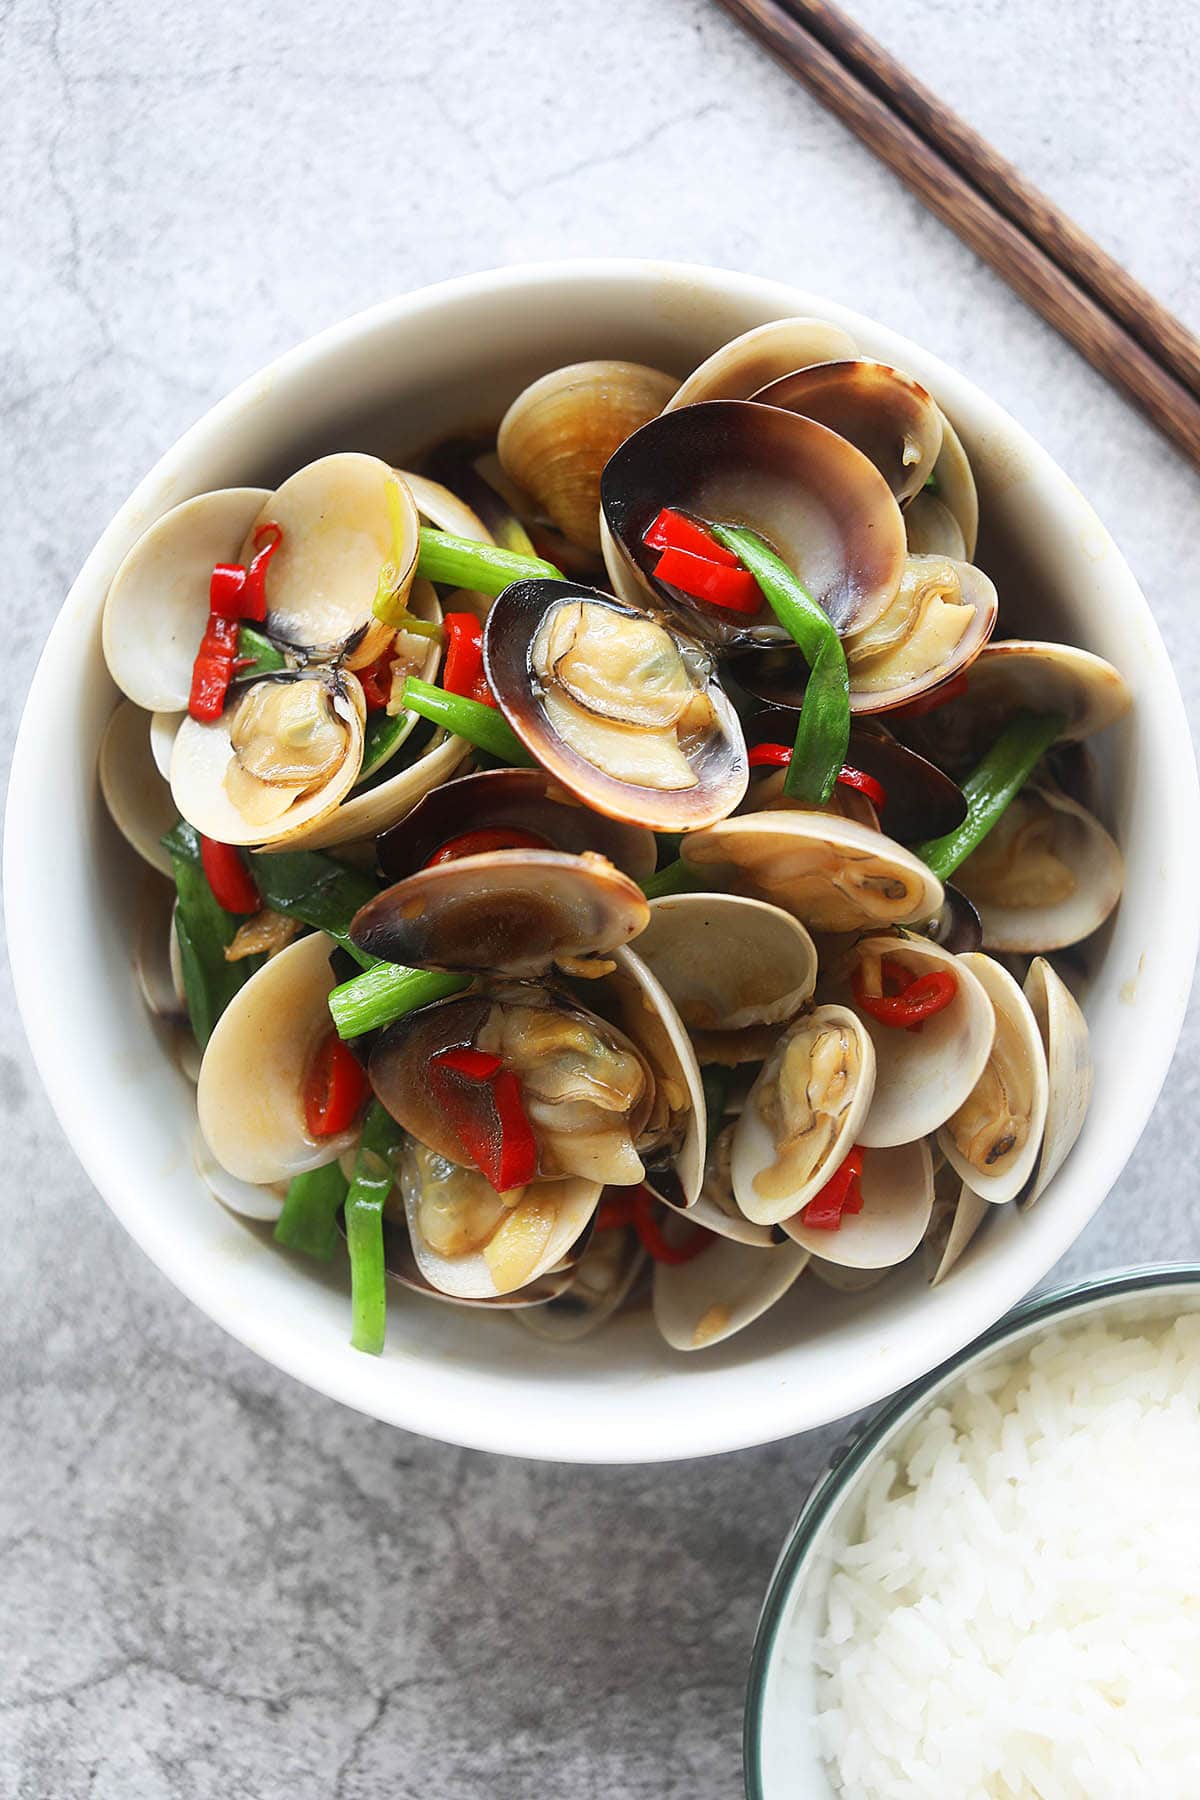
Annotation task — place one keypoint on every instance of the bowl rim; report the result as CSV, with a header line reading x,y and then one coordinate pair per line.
x,y
589,1431
852,1457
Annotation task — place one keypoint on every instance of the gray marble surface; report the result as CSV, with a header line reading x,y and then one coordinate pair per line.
x,y
214,1583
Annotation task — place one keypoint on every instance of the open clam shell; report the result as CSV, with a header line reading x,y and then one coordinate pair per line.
x,y
164,729
507,912
586,1088
921,1078
600,1283
1064,1035
958,1212
822,506
941,618
728,963
717,1208
557,435
932,529
443,508
747,363
138,800
889,416
1046,875
223,799
343,519
250,1095
157,606
832,874
920,800
156,961
993,1139
842,1279
526,1235
705,1301
954,487
618,710
803,1115
250,1200
897,1192
525,800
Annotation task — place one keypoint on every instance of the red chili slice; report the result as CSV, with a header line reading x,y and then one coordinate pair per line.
x,y
654,1243
462,670
486,839
482,1101
232,884
376,682
267,540
673,530
840,1195
335,1088
770,756
734,589
914,998
865,784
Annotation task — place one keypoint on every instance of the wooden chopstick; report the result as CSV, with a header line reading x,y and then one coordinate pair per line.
x,y
1158,331
946,190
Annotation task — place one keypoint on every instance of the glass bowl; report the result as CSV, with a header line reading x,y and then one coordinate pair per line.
x,y
782,1757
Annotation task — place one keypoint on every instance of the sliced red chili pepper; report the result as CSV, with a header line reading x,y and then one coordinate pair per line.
x,y
518,1146
934,697
615,1209
483,1103
673,530
840,1195
864,784
734,589
918,997
770,756
462,671
213,668
226,585
376,682
267,540
464,1059
233,885
486,839
335,1088
653,1241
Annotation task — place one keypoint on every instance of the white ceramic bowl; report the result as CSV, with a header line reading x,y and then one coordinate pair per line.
x,y
389,381
781,1745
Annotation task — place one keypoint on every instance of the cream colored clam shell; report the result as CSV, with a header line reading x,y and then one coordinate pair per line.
x,y
832,874
1018,1039
1093,858
921,1078
932,529
338,533
365,815
958,1212
976,591
250,1095
717,1209
204,752
1025,675
600,1284
443,508
728,962
643,996
747,363
705,1301
155,949
138,799
897,1190
956,488
844,1280
468,1277
164,729
1064,1034
157,608
246,1198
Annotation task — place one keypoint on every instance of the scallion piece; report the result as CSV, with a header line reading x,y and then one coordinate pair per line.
x,y
317,890
677,878
203,929
481,725
485,568
262,657
369,1189
716,1080
991,787
823,733
386,992
308,1222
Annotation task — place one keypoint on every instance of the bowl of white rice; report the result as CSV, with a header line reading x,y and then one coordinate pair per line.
x,y
994,1592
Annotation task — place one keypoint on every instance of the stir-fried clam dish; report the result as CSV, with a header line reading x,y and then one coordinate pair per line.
x,y
620,862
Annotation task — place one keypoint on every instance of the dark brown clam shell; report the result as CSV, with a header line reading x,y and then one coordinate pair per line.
x,y
887,415
719,763
519,799
922,802
508,912
820,504
957,926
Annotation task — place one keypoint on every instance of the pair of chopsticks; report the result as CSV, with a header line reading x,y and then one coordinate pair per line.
x,y
1095,303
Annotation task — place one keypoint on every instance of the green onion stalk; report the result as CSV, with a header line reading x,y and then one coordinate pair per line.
x,y
369,1189
484,568
481,725
385,993
992,786
308,1222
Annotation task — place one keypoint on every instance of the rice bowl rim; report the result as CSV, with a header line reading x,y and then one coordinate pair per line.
x,y
853,1458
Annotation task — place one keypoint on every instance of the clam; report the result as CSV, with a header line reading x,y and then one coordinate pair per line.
x,y
921,1078
443,508
474,1244
600,1283
250,1095
157,607
822,506
891,418
958,1212
138,800
620,711
164,729
941,618
747,363
994,1137
1045,876
525,801
803,1115
932,529
283,755
716,1208
156,962
896,1185
842,1279
832,874
730,966
516,912
250,1200
347,523
704,1301
920,800
557,435
585,1088
956,926
953,484
1064,1035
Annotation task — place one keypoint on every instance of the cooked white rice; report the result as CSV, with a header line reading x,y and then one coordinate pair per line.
x,y
1020,1616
